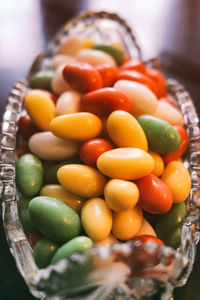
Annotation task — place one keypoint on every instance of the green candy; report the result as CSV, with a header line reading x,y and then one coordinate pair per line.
x,y
29,175
42,80
168,226
162,137
50,174
54,218
115,52
44,251
77,244
25,217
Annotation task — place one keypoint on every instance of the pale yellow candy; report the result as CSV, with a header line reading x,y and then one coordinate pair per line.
x,y
57,191
68,103
61,59
47,146
126,224
78,126
121,195
125,163
81,180
95,57
96,218
143,100
169,113
71,45
159,164
176,176
146,228
40,108
58,84
125,131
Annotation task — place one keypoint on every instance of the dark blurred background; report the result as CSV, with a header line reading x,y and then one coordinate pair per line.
x,y
165,29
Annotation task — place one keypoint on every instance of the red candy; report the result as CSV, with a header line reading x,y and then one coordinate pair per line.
x,y
183,147
26,127
145,238
34,238
23,149
134,65
82,77
92,149
104,101
108,74
159,80
138,77
155,196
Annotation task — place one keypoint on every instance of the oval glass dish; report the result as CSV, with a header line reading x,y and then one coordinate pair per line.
x,y
128,270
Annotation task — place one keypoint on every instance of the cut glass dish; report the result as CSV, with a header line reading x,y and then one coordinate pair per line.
x,y
117,273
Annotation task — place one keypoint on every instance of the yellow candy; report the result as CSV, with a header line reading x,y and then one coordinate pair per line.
x,y
121,195
88,44
125,131
125,163
57,191
77,126
126,224
81,180
96,218
41,108
146,228
177,178
159,164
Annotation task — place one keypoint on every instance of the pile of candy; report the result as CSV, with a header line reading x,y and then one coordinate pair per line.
x,y
100,160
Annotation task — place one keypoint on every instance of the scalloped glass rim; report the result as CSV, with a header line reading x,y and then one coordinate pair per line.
x,y
54,281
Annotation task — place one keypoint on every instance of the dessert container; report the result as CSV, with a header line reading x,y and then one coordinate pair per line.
x,y
129,270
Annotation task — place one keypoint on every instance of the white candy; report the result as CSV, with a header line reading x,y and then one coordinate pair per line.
x,y
143,100
47,146
95,57
68,103
70,46
169,113
60,59
59,85
146,229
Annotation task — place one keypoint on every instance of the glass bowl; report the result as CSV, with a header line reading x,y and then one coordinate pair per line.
x,y
130,270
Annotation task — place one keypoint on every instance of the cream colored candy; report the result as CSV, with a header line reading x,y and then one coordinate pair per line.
x,y
77,126
121,195
169,113
125,163
81,180
68,103
110,240
58,84
60,59
143,100
96,218
70,45
59,192
47,146
95,57
146,228
125,131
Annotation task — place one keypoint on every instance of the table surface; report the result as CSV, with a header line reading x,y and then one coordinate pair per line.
x,y
164,29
